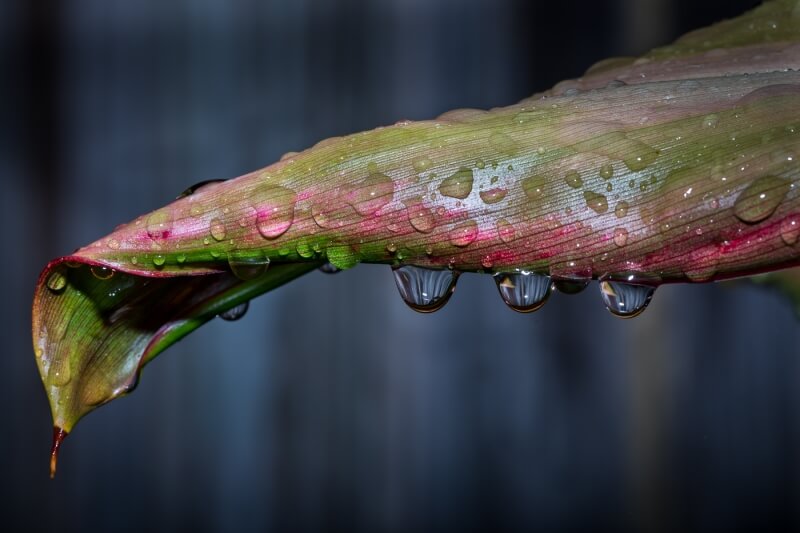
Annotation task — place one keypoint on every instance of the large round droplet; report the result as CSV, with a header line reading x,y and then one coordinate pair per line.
x,y
247,267
159,224
421,218
235,313
56,281
464,233
597,202
342,256
760,199
523,291
423,289
371,194
275,210
625,300
459,185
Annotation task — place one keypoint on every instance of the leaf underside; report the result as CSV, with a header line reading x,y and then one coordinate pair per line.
x,y
677,166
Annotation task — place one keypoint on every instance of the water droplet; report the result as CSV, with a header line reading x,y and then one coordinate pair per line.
x,y
113,244
790,229
459,185
423,289
571,286
505,230
464,233
533,187
328,268
503,143
101,272
640,158
304,249
621,210
523,291
159,224
235,313
391,247
573,179
247,267
342,256
607,171
60,375
421,217
134,260
56,281
620,237
421,164
492,196
159,260
625,300
217,229
196,187
181,259
711,121
371,194
597,202
760,199
275,210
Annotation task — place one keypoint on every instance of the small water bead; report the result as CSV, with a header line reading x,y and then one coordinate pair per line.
x,y
573,286
503,143
113,244
371,194
534,186
458,185
101,272
573,179
328,268
342,256
159,224
621,210
196,187
217,229
597,202
391,247
625,300
421,164
609,187
711,121
304,249
487,262
56,281
235,313
790,229
492,196
464,233
424,290
60,375
606,171
524,291
506,231
760,199
247,267
421,218
620,237
181,259
159,260
275,210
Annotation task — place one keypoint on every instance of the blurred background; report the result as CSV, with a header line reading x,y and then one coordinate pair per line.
x,y
331,405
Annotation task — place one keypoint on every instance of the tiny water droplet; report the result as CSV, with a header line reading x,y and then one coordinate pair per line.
x,y
391,247
524,291
573,179
134,260
217,229
421,218
597,202
486,261
424,290
533,187
159,260
159,224
328,268
113,244
235,313
101,272
181,259
625,300
458,185
790,229
421,164
60,375
620,237
371,194
760,199
464,233
622,209
274,206
56,281
492,196
505,230
711,121
607,171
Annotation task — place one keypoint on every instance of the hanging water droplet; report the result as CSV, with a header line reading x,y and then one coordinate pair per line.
x,y
790,229
760,199
217,229
159,224
597,202
56,281
101,272
523,291
505,230
573,179
464,234
235,313
533,187
342,256
492,196
423,289
328,268
620,237
371,194
625,300
275,210
571,286
247,267
459,185
196,187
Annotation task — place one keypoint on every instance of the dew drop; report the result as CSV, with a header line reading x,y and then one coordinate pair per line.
x,y
421,164
625,300
620,237
621,210
492,196
56,281
533,187
421,218
423,289
235,313
342,256
760,199
248,267
159,260
790,229
328,268
304,249
159,224
523,291
371,194
607,171
60,375
642,157
573,179
101,272
464,233
459,185
711,121
506,231
571,286
217,229
113,244
597,202
486,262
181,259
275,210
503,143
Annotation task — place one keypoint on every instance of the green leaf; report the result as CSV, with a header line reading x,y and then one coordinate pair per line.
x,y
678,166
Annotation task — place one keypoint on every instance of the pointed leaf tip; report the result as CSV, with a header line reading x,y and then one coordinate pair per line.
x,y
58,437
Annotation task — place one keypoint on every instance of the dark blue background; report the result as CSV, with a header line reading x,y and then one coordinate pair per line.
x,y
331,405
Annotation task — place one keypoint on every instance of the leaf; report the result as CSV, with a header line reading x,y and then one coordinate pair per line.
x,y
678,166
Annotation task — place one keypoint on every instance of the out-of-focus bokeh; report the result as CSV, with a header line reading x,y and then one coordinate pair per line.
x,y
331,405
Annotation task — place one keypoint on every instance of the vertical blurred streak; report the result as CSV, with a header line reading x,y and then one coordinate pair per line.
x,y
647,24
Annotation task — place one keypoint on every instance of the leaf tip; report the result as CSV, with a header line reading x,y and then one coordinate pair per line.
x,y
58,437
